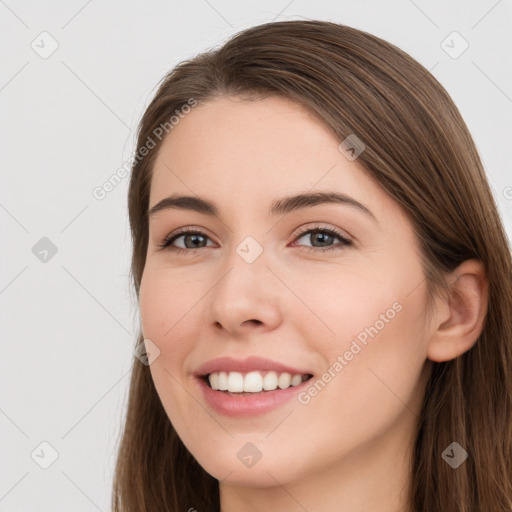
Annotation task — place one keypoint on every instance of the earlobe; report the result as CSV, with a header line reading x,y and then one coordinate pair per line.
x,y
466,304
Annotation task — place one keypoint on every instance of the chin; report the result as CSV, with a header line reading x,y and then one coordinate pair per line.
x,y
234,466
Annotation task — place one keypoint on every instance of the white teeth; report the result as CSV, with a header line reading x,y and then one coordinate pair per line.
x,y
296,380
253,382
223,381
284,380
270,381
214,380
235,382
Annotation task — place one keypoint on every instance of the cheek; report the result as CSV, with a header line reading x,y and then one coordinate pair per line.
x,y
339,303
368,304
383,353
167,314
375,327
372,387
167,317
167,302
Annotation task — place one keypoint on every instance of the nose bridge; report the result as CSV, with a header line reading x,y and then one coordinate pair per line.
x,y
243,291
245,269
248,238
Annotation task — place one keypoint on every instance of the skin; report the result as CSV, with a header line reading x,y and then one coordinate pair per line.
x,y
349,448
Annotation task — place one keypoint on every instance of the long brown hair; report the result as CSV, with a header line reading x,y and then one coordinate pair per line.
x,y
420,151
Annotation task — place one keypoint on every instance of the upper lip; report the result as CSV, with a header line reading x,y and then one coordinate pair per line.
x,y
252,363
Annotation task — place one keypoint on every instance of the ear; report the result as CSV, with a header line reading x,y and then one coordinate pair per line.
x,y
460,315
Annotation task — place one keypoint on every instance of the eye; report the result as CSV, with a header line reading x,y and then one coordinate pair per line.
x,y
323,236
194,240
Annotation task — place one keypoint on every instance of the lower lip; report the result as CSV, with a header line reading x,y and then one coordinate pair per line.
x,y
248,404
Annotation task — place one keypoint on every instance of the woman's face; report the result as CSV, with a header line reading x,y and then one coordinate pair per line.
x,y
258,280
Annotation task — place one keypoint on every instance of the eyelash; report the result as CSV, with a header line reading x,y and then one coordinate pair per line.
x,y
345,242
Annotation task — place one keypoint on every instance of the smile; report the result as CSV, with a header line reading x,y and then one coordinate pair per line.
x,y
251,386
255,381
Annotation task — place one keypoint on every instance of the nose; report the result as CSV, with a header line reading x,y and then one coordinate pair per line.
x,y
245,298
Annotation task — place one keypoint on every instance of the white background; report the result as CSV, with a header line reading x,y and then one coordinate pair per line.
x,y
68,123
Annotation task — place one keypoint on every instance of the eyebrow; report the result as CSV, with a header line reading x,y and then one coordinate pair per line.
x,y
278,207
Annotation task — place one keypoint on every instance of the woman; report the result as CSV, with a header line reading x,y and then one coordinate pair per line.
x,y
324,287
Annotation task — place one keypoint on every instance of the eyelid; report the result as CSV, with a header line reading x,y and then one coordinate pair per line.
x,y
345,238
319,226
182,232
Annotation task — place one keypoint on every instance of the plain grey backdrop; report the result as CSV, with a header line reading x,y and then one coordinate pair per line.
x,y
75,78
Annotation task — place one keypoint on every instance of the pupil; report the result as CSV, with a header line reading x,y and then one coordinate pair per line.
x,y
324,236
195,237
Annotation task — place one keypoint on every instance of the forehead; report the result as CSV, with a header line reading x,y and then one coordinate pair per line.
x,y
230,150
